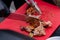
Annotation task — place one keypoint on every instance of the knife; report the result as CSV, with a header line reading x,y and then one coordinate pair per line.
x,y
35,5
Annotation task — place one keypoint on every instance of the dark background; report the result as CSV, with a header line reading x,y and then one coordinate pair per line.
x,y
17,3
50,2
4,13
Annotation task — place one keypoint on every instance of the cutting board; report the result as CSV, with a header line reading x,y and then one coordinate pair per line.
x,y
49,13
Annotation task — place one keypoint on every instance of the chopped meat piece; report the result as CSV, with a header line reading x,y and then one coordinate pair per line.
x,y
36,25
33,21
30,11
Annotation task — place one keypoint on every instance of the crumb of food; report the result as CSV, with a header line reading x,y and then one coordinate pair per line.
x,y
30,11
31,34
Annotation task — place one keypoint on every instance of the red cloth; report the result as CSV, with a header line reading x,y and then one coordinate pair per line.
x,y
49,12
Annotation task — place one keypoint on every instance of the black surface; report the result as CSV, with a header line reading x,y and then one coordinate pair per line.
x,y
50,2
4,11
1,19
17,3
11,35
57,32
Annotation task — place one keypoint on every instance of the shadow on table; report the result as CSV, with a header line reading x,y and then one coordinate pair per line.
x,y
11,35
56,32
